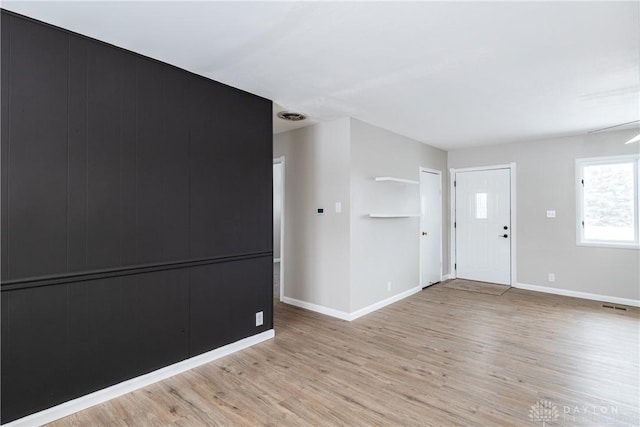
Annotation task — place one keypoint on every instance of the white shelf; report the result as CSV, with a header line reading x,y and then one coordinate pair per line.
x,y
399,215
394,179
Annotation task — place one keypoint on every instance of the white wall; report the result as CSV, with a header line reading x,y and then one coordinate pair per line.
x,y
277,208
316,247
386,250
343,261
546,180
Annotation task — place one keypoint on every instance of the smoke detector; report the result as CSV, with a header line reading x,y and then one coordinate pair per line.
x,y
293,117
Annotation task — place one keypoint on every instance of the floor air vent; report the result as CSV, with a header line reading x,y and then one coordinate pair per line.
x,y
613,307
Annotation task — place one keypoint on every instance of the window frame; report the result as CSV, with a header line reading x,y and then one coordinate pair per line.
x,y
579,170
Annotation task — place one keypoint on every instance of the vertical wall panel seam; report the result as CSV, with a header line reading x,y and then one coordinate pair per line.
x,y
189,172
189,176
165,152
7,295
8,142
68,368
68,133
86,169
135,197
5,363
189,234
189,312
122,80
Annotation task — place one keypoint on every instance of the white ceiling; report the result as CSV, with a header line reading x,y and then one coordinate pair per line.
x,y
450,74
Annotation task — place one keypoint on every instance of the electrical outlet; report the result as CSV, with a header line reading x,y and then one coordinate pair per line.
x,y
552,277
259,318
388,286
551,214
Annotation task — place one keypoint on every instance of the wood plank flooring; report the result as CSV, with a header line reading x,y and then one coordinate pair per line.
x,y
442,357
473,286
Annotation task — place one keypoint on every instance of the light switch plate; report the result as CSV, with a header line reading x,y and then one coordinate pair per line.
x,y
259,318
338,207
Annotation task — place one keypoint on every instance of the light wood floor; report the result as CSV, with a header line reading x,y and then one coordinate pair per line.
x,y
441,357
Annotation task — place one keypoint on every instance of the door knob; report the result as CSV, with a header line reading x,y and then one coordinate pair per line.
x,y
505,227
424,233
503,235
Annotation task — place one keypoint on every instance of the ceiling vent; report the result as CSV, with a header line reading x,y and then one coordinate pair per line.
x,y
293,117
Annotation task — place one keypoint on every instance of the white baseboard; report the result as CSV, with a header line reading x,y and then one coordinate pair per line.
x,y
578,294
317,308
354,315
447,277
100,396
378,305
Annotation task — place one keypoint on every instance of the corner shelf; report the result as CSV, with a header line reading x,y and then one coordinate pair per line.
x,y
378,215
394,179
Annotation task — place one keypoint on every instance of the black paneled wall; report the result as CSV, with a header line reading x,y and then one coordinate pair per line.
x,y
136,215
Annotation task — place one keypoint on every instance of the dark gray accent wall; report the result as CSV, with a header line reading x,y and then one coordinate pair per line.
x,y
136,215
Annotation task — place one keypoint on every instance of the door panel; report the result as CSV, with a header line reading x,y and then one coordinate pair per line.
x,y
431,228
483,219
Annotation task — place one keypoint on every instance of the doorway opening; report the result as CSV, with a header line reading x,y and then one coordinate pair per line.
x,y
278,228
483,224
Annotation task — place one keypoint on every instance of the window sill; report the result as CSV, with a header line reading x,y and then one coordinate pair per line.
x,y
614,245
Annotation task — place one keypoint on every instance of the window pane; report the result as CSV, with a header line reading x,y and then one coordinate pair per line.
x,y
481,205
609,202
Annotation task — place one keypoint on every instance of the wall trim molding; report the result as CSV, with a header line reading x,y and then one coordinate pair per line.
x,y
60,279
342,315
380,304
100,396
447,277
578,294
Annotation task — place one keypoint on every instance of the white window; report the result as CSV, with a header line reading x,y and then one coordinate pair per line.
x,y
607,201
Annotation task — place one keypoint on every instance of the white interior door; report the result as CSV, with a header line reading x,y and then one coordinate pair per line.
x,y
483,225
431,227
